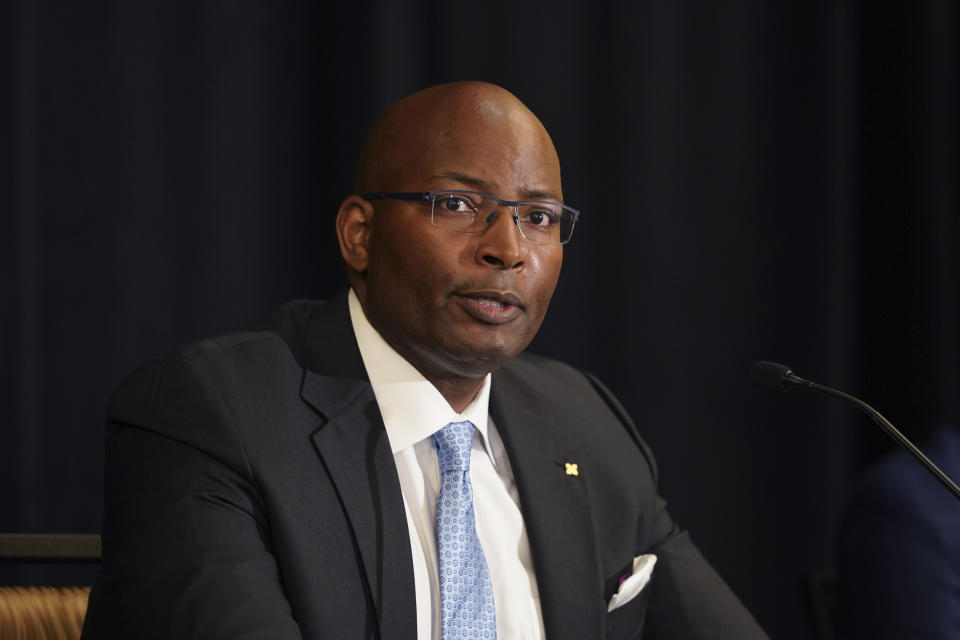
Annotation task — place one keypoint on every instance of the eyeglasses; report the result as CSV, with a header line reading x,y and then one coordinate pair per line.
x,y
539,221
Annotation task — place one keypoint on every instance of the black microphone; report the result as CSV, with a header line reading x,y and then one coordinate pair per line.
x,y
778,377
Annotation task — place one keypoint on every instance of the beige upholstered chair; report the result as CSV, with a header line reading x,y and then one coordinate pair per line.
x,y
45,613
42,613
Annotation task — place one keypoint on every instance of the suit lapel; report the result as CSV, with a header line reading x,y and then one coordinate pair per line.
x,y
555,506
353,447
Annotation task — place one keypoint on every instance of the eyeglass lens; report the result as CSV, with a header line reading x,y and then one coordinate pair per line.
x,y
540,222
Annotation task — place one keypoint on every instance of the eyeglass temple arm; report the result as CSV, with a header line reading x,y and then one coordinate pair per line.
x,y
425,196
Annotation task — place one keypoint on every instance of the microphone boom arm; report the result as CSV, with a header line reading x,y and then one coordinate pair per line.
x,y
790,378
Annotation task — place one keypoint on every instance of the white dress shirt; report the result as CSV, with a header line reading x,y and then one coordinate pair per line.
x,y
413,410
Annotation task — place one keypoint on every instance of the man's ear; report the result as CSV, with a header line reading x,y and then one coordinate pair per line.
x,y
353,231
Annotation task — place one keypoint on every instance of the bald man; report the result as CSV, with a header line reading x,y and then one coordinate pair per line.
x,y
297,481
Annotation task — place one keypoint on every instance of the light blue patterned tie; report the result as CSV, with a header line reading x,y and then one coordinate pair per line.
x,y
466,596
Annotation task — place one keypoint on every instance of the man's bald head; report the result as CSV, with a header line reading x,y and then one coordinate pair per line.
x,y
436,116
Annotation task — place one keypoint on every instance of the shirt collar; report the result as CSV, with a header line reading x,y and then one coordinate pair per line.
x,y
411,407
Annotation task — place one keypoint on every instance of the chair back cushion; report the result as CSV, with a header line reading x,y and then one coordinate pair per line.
x,y
42,613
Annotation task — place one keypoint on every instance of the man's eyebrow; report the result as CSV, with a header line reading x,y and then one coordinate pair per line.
x,y
484,186
540,195
476,183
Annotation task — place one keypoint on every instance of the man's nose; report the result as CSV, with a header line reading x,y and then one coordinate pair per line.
x,y
500,243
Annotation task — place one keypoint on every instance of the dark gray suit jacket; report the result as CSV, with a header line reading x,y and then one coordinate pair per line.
x,y
251,493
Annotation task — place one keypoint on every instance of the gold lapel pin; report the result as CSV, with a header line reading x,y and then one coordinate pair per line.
x,y
571,468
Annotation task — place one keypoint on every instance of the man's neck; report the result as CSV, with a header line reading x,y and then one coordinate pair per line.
x,y
458,389
458,392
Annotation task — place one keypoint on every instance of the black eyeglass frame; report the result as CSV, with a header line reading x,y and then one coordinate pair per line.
x,y
430,196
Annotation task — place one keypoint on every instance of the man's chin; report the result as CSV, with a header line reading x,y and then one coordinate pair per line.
x,y
478,357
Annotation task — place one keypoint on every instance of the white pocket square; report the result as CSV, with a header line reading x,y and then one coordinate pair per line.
x,y
633,584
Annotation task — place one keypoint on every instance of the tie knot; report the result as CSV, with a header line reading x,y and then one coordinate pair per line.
x,y
453,444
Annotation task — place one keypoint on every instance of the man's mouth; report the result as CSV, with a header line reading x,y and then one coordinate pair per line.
x,y
490,307
490,302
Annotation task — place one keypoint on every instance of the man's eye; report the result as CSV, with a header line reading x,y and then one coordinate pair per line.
x,y
456,204
540,218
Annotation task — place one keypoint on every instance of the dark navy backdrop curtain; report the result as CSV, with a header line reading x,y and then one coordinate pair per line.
x,y
758,181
